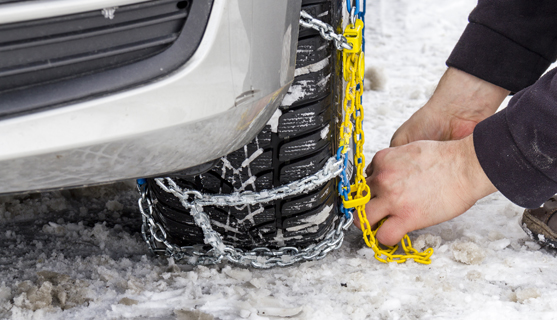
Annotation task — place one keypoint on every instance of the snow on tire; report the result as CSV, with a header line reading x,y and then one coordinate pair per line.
x,y
298,140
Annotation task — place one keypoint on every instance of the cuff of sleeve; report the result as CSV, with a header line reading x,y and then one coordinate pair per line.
x,y
506,167
497,59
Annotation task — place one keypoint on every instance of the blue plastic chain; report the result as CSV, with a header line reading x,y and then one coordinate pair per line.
x,y
349,6
344,183
141,182
359,13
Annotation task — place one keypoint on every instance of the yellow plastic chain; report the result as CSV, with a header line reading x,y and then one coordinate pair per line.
x,y
353,62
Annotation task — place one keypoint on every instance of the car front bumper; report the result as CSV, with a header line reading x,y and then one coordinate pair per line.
x,y
213,104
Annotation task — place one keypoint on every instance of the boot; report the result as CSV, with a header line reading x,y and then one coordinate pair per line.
x,y
541,223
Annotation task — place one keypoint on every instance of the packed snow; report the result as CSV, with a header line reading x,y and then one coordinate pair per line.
x,y
78,254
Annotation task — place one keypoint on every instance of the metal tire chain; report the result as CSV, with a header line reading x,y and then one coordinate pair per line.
x,y
154,234
325,30
261,257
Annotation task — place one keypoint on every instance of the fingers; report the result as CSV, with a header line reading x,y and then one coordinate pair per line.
x,y
381,204
376,208
376,211
373,212
377,160
369,169
391,231
399,138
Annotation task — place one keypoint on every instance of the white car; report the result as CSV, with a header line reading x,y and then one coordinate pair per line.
x,y
222,95
100,91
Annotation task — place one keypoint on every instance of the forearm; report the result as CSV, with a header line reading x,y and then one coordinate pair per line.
x,y
459,102
464,96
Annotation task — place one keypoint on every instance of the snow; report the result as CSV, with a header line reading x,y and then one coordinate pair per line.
x,y
274,121
78,254
312,67
313,220
324,132
295,93
249,160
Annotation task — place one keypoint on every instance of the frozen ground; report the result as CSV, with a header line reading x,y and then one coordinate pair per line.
x,y
78,255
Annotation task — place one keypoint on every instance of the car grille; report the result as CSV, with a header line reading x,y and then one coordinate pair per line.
x,y
142,43
52,49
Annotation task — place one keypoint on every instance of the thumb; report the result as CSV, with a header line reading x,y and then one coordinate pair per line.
x,y
399,138
391,231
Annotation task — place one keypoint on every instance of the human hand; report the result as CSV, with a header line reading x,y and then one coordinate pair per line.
x,y
422,184
460,101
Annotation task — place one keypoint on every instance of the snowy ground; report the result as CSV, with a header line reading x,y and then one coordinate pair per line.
x,y
78,255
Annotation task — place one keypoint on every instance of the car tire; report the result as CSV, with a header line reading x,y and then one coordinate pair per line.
x,y
298,140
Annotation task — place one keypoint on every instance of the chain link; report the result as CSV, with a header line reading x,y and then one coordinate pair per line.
x,y
358,194
326,30
261,257
330,170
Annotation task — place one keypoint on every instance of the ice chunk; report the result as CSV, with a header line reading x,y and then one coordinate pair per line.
x,y
127,301
521,295
5,293
532,245
238,274
192,315
258,282
280,312
427,240
467,252
473,275
34,298
114,205
499,244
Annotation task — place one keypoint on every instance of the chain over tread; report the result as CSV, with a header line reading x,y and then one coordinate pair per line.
x,y
305,138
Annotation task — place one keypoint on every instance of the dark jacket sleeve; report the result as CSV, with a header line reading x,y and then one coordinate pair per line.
x,y
510,43
517,147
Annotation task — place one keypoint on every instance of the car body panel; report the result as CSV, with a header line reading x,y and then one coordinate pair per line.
x,y
207,108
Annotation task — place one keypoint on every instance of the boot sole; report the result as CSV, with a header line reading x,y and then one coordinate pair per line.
x,y
537,231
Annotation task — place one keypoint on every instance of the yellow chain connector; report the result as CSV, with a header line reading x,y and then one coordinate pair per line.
x,y
353,72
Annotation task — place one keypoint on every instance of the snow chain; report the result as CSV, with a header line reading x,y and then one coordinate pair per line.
x,y
357,195
193,200
354,197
